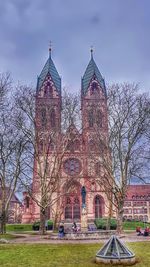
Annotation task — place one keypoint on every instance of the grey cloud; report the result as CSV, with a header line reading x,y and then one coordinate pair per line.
x,y
118,30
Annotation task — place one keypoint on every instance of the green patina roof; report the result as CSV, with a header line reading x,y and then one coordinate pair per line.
x,y
92,70
51,69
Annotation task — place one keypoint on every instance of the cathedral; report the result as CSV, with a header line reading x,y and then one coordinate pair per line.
x,y
80,166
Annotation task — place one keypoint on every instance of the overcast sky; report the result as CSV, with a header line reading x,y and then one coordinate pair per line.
x,y
119,31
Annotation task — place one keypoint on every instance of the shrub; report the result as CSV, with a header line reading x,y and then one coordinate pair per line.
x,y
101,223
36,225
19,227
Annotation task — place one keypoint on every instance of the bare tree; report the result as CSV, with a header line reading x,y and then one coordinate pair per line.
x,y
121,155
11,148
45,151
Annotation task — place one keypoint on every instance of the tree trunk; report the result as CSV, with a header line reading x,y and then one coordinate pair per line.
x,y
55,223
109,216
3,221
42,221
120,220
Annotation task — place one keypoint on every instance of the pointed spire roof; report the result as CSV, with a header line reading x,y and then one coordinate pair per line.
x,y
114,249
49,68
90,71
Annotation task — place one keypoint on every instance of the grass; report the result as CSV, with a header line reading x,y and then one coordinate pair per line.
x,y
59,255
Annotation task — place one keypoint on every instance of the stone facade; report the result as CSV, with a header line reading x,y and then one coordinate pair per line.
x,y
80,163
78,168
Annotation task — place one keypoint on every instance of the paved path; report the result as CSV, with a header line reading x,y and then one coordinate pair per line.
x,y
38,239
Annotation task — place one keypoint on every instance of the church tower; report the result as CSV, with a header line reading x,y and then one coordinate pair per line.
x,y
94,125
48,98
93,98
47,129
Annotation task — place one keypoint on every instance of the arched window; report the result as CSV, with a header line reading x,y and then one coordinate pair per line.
x,y
48,89
91,118
76,145
52,118
99,118
70,146
91,145
99,206
43,117
94,88
72,208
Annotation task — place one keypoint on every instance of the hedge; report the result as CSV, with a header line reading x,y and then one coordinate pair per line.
x,y
101,223
18,227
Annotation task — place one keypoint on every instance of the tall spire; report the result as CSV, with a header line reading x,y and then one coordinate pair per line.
x,y
91,71
49,68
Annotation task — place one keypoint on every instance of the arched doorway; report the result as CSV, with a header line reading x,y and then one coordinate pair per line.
x,y
72,208
72,203
99,206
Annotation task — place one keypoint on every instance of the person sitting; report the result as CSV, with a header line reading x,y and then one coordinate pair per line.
x,y
61,232
139,231
74,227
146,231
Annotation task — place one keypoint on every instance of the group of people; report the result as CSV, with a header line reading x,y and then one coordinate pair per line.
x,y
145,232
61,230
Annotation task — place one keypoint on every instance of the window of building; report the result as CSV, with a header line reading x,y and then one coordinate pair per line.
x,y
43,117
91,118
91,145
52,118
99,206
76,145
72,166
99,118
94,88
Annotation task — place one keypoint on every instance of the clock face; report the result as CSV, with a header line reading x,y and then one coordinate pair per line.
x,y
72,166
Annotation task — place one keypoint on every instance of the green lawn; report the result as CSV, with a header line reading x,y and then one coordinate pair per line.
x,y
68,255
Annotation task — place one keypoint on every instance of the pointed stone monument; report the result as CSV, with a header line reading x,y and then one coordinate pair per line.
x,y
115,252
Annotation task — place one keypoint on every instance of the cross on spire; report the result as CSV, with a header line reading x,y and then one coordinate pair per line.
x,y
91,50
50,48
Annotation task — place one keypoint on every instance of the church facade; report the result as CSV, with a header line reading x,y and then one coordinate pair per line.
x,y
80,161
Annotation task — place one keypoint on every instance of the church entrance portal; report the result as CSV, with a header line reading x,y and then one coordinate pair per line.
x,y
72,209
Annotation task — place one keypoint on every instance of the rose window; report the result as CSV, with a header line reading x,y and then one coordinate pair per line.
x,y
72,166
